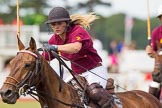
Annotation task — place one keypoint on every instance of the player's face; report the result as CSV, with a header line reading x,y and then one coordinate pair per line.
x,y
59,27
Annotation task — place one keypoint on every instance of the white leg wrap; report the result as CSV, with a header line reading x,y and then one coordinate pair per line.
x,y
155,84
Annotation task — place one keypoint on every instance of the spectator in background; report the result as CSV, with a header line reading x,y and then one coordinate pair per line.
x,y
120,46
132,45
113,47
113,57
5,71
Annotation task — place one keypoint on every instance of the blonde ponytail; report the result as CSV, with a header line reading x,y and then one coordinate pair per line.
x,y
83,20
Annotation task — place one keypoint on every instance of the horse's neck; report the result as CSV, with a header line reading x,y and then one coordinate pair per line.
x,y
50,85
49,78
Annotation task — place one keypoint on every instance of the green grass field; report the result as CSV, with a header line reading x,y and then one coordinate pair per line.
x,y
21,104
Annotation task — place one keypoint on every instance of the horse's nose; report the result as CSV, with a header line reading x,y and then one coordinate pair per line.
x,y
8,93
5,94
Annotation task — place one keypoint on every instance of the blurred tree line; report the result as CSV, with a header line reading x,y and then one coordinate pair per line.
x,y
113,28
105,28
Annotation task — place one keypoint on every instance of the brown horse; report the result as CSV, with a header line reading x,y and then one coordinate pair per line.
x,y
31,72
29,69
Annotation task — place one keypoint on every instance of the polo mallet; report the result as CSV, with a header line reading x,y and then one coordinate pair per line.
x,y
148,24
18,19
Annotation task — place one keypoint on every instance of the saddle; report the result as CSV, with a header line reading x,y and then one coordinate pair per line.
x,y
80,91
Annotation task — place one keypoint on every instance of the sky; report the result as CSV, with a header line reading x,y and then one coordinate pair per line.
x,y
135,8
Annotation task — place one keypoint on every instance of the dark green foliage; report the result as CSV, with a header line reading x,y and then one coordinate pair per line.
x,y
112,28
33,12
34,19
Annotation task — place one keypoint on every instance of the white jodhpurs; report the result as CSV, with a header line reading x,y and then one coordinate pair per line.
x,y
97,75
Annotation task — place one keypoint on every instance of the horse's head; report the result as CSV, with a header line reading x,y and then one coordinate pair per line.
x,y
157,74
23,69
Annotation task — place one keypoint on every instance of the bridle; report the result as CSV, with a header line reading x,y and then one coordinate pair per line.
x,y
10,77
20,85
24,88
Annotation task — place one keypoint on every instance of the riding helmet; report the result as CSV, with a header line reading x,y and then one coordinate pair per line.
x,y
58,14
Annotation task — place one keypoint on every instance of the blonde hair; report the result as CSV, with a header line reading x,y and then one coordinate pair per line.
x,y
83,20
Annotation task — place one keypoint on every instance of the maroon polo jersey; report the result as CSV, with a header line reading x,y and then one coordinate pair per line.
x,y
87,58
156,36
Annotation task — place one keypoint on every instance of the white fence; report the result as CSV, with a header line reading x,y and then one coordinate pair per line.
x,y
8,39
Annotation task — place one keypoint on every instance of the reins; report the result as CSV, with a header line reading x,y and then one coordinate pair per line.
x,y
61,62
58,57
91,71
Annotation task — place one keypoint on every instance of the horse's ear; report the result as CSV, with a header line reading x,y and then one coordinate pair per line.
x,y
20,44
33,44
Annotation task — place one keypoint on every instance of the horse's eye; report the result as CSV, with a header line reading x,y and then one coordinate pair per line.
x,y
27,65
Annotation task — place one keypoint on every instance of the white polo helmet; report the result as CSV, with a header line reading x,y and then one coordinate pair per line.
x,y
159,11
